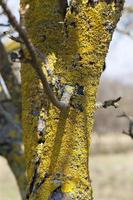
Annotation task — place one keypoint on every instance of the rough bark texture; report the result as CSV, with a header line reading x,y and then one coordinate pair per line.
x,y
57,156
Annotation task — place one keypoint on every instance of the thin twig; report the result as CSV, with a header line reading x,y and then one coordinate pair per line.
x,y
43,57
16,39
4,25
128,133
4,87
128,9
32,52
130,120
38,185
125,32
34,178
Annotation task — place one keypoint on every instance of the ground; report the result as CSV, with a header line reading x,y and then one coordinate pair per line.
x,y
111,173
112,176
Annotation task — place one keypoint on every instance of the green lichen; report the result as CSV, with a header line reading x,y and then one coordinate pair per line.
x,y
76,52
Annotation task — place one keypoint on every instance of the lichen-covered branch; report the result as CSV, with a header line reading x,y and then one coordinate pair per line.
x,y
76,50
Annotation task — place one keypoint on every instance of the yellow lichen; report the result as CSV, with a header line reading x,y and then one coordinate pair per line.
x,y
68,186
76,53
12,46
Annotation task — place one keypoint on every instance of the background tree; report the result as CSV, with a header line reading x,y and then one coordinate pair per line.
x,y
11,145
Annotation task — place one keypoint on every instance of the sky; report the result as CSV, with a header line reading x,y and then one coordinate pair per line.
x,y
120,56
119,59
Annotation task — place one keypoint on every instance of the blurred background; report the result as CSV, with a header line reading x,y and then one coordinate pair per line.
x,y
111,160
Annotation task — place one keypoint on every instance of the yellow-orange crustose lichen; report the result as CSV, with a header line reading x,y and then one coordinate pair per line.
x,y
76,50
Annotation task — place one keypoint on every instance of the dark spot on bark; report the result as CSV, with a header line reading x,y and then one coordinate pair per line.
x,y
44,37
73,24
41,133
65,29
92,3
77,106
35,113
109,28
109,1
117,2
79,57
74,65
91,63
80,107
58,175
13,56
21,54
104,66
79,89
73,9
39,184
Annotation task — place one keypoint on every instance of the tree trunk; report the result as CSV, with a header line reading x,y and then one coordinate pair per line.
x,y
11,146
57,142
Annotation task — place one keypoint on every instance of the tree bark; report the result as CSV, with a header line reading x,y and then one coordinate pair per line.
x,y
57,142
11,145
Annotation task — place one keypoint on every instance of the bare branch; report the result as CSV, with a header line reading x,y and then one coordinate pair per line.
x,y
4,25
128,9
32,52
4,87
16,39
130,120
125,32
108,103
127,133
43,57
